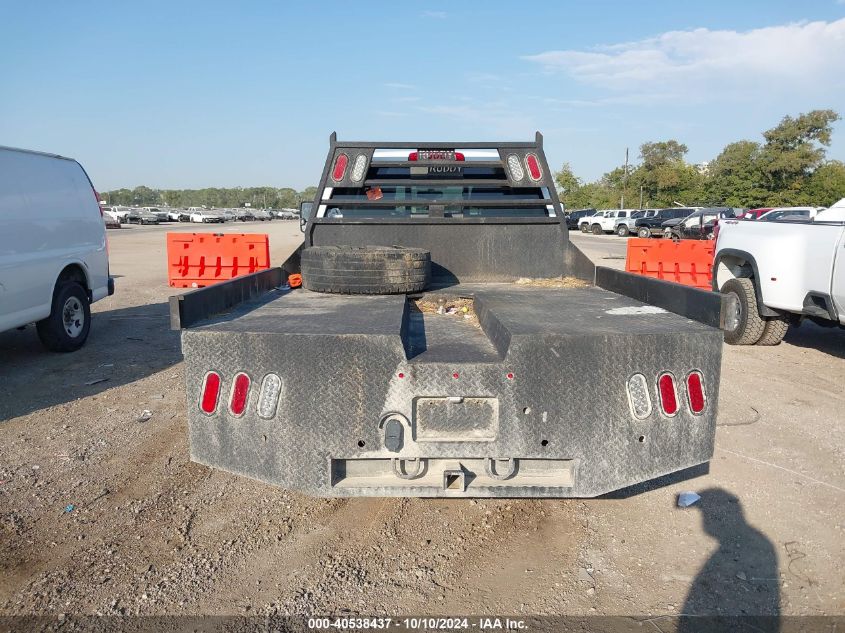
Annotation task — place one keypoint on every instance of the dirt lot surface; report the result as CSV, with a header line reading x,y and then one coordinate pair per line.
x,y
101,511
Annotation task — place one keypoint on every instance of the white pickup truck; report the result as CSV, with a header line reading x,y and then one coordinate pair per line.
x,y
604,221
779,273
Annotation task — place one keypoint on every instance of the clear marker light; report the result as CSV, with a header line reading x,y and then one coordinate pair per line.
x,y
515,167
268,397
359,167
638,396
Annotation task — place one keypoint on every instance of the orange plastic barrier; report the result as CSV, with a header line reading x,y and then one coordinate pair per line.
x,y
196,260
688,262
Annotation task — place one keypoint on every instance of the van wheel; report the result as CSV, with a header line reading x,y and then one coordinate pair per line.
x,y
622,230
774,331
597,230
643,232
743,323
67,327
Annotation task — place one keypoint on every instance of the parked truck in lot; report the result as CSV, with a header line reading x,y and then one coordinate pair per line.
x,y
357,385
779,273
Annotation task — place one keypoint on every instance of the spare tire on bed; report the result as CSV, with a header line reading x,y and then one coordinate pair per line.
x,y
370,270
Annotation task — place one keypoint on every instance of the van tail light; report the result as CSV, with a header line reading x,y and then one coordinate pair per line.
x,y
668,394
97,198
340,164
240,393
695,391
533,165
210,392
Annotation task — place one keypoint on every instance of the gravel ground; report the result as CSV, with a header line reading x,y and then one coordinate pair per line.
x,y
102,513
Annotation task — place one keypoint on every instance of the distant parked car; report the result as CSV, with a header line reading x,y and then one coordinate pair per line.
x,y
244,215
110,219
700,225
646,227
753,214
262,215
141,216
121,212
286,214
161,214
204,216
782,213
573,217
627,225
175,215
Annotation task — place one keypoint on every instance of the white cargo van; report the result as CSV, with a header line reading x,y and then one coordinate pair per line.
x,y
53,257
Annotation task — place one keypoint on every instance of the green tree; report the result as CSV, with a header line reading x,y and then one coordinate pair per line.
x,y
735,177
793,149
826,185
568,185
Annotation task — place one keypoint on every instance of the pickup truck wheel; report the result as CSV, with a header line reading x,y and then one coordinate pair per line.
x,y
643,232
585,228
622,230
597,230
67,327
743,324
774,331
374,270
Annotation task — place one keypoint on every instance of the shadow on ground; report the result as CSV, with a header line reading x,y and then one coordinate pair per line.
x,y
738,588
125,345
829,340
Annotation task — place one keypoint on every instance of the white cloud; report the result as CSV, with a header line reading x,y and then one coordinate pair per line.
x,y
807,55
439,15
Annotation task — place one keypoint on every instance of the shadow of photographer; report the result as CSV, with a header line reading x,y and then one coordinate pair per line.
x,y
740,579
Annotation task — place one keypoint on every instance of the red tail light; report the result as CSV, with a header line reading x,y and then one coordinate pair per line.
x,y
668,394
533,165
210,392
340,164
695,392
459,156
240,392
413,156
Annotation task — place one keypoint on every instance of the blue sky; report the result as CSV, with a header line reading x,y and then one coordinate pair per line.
x,y
196,94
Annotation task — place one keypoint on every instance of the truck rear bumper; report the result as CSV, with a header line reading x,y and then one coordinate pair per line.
x,y
368,398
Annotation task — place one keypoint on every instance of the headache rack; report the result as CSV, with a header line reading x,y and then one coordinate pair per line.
x,y
459,181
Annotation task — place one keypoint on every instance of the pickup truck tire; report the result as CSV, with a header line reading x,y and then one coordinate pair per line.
x,y
643,232
745,326
597,230
67,327
374,270
585,228
622,230
774,331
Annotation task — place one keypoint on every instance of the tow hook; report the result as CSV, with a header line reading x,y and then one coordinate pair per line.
x,y
491,468
400,468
